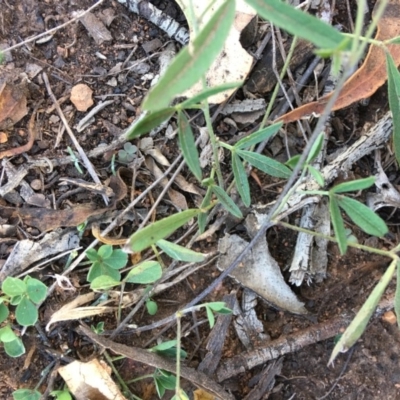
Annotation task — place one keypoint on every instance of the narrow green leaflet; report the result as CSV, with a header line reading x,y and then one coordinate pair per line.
x,y
397,295
180,253
188,146
265,164
145,272
338,225
104,282
394,102
202,218
258,137
316,175
149,122
299,23
227,202
13,286
152,233
354,186
241,181
210,316
293,161
194,60
316,147
205,94
359,323
363,216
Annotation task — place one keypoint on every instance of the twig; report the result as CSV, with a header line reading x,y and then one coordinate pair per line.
x,y
84,157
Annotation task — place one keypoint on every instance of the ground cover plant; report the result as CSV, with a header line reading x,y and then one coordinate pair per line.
x,y
111,267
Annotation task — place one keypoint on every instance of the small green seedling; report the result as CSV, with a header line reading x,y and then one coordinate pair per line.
x,y
106,262
128,153
99,328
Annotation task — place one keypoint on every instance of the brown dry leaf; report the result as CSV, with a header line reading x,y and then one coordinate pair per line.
x,y
90,380
369,77
12,105
200,394
3,137
81,97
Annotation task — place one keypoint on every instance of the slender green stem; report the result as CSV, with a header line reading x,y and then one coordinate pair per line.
x,y
384,253
178,353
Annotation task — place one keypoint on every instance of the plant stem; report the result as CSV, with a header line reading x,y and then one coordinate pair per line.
x,y
178,353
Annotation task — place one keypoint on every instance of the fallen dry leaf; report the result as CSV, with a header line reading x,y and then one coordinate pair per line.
x,y
369,77
90,380
3,137
81,97
12,105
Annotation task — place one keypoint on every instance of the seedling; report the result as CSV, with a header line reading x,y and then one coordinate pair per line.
x,y
128,153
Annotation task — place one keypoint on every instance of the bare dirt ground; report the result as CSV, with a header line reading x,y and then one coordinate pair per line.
x,y
369,371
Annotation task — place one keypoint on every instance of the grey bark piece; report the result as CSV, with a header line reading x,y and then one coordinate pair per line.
x,y
96,28
26,252
171,27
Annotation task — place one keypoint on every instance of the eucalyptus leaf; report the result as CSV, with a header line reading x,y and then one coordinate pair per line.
x,y
180,253
188,146
241,181
158,230
258,137
363,216
194,60
299,23
394,101
265,164
227,202
338,225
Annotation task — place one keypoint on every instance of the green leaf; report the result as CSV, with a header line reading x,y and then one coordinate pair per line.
x,y
258,137
180,253
159,348
7,334
293,161
168,382
359,323
395,40
26,394
188,146
316,147
363,216
194,60
241,181
210,316
159,387
394,101
354,186
265,164
15,300
4,312
92,255
227,202
99,269
13,287
316,175
36,290
202,218
16,349
206,93
338,225
105,251
104,282
26,312
217,306
148,122
397,295
299,23
145,272
151,307
152,233
117,260
61,394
